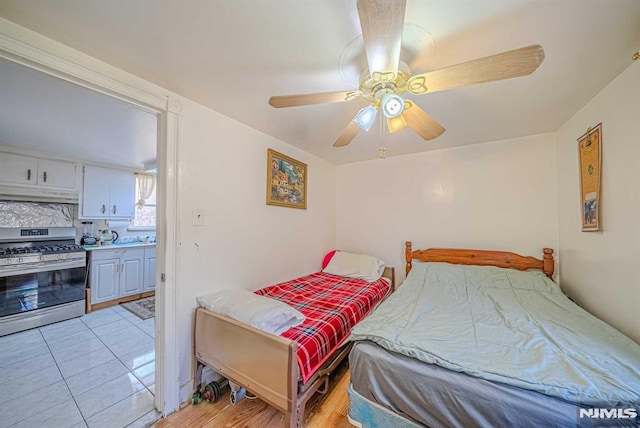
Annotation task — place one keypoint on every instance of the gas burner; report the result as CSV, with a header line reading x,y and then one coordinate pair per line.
x,y
19,250
41,249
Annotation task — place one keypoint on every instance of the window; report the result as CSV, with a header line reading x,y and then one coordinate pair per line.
x,y
145,213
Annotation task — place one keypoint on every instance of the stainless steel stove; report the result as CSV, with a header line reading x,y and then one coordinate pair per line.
x,y
42,277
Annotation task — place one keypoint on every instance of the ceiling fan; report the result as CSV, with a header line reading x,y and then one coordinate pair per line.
x,y
382,22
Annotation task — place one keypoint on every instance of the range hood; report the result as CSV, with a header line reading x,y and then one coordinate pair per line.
x,y
30,194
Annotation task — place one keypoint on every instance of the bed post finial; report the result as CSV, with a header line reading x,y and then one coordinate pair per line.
x,y
408,256
548,264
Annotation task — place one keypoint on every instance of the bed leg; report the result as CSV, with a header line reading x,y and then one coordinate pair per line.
x,y
197,376
196,398
295,418
301,414
290,420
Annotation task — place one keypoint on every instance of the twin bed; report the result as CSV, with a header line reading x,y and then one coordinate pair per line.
x,y
285,371
484,339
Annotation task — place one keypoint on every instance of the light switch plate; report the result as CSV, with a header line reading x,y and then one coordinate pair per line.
x,y
198,217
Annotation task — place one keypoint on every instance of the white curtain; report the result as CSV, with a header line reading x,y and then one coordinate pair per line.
x,y
145,183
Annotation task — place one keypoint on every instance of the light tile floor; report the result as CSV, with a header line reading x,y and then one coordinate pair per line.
x,y
94,371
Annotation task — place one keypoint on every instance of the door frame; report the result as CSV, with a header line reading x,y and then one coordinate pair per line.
x,y
23,46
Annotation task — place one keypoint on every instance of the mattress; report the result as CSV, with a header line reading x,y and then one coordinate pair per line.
x,y
332,306
433,396
508,327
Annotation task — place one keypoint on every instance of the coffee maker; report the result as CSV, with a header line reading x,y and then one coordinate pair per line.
x,y
88,234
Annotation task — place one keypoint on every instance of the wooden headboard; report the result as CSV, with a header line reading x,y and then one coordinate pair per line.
x,y
482,258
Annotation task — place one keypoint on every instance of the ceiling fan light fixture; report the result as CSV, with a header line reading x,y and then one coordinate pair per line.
x,y
365,117
386,77
392,105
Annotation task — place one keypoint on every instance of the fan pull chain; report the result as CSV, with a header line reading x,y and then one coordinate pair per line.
x,y
382,151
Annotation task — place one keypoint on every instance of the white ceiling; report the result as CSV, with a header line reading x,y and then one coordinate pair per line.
x,y
41,113
231,55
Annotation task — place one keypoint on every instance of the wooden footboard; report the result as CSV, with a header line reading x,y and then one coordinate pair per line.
x,y
263,363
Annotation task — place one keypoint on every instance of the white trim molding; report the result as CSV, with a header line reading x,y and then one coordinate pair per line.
x,y
167,232
31,49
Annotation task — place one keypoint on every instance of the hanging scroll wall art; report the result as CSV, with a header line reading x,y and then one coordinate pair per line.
x,y
590,155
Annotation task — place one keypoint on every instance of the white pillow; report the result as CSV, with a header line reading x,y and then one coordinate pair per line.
x,y
261,312
355,266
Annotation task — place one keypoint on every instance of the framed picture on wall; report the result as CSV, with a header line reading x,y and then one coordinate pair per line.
x,y
590,156
286,181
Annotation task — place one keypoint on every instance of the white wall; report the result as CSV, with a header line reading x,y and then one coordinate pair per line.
x,y
244,242
499,195
600,270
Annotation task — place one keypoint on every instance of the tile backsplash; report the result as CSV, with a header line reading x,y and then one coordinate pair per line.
x,y
35,214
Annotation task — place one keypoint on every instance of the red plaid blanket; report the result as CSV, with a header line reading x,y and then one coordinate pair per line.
x,y
332,305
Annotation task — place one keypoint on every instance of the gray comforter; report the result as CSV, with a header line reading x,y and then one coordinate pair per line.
x,y
507,326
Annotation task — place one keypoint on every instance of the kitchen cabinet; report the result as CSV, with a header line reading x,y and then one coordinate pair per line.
x,y
104,280
149,269
116,273
132,272
17,169
108,193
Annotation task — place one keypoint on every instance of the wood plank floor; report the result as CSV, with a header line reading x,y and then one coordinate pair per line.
x,y
329,410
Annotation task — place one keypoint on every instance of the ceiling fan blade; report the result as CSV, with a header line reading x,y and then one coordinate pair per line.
x,y
319,98
347,135
423,124
382,22
395,124
505,65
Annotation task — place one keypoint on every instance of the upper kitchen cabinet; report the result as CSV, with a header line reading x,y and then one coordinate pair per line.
x,y
56,174
16,169
108,193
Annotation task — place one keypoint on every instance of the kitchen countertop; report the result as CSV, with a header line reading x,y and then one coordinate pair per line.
x,y
118,246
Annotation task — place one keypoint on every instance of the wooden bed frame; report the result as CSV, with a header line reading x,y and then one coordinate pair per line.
x,y
501,259
470,257
264,364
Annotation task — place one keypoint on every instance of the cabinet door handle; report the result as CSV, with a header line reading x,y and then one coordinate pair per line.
x,y
104,208
118,268
29,175
44,175
114,209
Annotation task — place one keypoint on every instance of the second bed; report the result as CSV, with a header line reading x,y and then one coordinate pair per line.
x,y
487,345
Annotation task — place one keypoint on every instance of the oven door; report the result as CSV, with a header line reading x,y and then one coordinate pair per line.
x,y
40,286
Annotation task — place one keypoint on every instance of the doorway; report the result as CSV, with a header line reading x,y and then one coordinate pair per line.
x,y
45,56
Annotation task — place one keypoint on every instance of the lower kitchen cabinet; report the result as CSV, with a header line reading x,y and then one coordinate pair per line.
x,y
120,272
105,280
149,268
132,272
